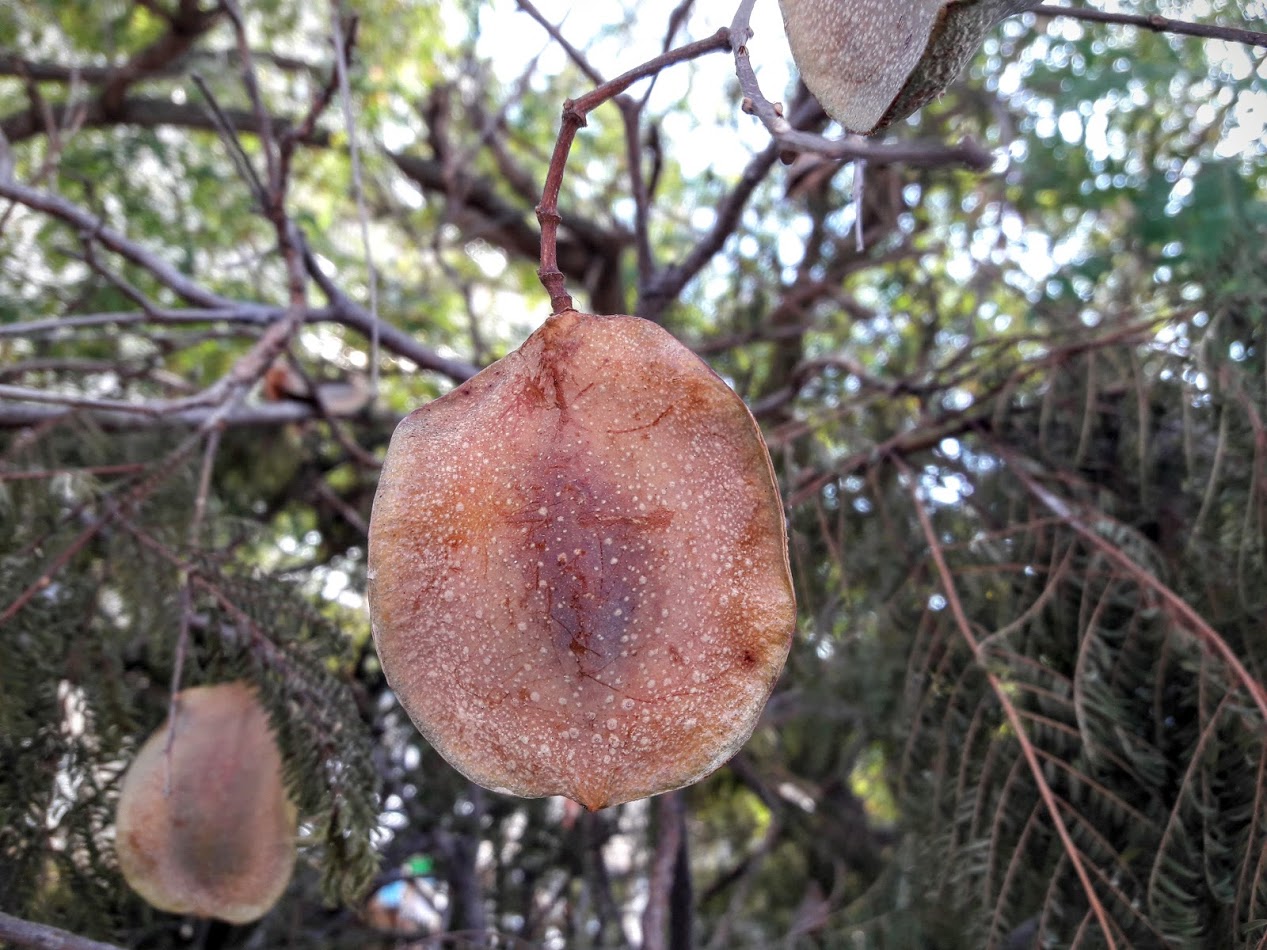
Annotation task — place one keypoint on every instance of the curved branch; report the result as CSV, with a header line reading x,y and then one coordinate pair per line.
x,y
186,26
574,113
790,141
214,307
93,227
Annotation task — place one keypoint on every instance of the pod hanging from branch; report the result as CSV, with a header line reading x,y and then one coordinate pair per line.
x,y
578,567
204,825
874,62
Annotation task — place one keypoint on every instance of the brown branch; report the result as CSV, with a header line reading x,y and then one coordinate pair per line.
x,y
248,314
26,933
499,222
631,114
670,812
127,468
904,443
212,306
228,394
790,141
85,221
911,154
146,113
347,312
663,288
187,602
266,134
185,27
1158,24
15,415
574,113
490,216
37,71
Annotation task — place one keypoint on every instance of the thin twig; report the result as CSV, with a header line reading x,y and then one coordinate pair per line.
x,y
791,141
631,111
574,113
556,34
57,207
187,603
1158,24
342,54
664,287
130,468
263,117
228,134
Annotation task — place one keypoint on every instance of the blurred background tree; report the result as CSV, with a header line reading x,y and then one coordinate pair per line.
x,y
1020,431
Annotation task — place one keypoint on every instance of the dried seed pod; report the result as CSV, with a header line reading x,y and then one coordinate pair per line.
x,y
220,840
578,567
873,62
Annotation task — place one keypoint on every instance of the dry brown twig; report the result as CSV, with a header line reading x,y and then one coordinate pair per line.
x,y
574,113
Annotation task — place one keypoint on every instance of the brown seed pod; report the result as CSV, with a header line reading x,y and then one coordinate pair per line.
x,y
578,567
873,62
222,843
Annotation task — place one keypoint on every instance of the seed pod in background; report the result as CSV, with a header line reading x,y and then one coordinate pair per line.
x,y
874,62
578,567
219,841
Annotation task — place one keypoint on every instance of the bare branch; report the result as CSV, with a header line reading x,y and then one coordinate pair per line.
x,y
11,65
263,118
1158,24
670,812
211,306
146,113
574,113
555,34
94,227
343,47
26,933
186,26
791,141
14,415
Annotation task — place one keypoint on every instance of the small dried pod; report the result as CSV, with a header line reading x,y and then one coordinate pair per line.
x,y
578,567
874,62
207,828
